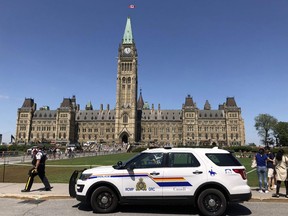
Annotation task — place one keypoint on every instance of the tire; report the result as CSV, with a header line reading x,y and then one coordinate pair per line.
x,y
104,200
211,202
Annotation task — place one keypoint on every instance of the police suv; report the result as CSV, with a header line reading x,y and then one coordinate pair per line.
x,y
205,178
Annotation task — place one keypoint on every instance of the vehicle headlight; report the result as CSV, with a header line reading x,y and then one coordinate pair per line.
x,y
85,176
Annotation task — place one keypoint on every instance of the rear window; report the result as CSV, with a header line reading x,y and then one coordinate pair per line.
x,y
223,159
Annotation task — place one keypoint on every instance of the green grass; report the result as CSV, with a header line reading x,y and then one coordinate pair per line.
x,y
55,174
62,172
251,175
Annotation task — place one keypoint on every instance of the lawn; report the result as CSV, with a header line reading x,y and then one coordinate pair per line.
x,y
59,171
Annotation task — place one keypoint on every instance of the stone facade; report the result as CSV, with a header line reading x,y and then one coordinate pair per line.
x,y
131,120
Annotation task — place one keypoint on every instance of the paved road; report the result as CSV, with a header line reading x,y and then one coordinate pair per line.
x,y
68,207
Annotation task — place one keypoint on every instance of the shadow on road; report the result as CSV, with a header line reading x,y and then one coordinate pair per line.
x,y
232,210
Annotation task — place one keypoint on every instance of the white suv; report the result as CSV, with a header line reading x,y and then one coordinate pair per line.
x,y
206,178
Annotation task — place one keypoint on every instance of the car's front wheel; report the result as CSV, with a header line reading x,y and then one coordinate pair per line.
x,y
104,200
212,202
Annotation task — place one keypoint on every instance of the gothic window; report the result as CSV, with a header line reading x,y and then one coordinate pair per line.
x,y
123,80
125,118
129,80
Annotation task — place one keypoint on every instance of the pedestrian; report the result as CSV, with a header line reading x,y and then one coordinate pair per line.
x,y
281,164
38,162
271,169
261,160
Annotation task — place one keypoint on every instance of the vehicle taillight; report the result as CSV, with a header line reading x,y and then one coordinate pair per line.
x,y
242,172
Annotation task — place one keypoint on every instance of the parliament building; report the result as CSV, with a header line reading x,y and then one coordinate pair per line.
x,y
131,120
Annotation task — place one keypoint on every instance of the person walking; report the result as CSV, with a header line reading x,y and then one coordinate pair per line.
x,y
261,160
281,164
38,162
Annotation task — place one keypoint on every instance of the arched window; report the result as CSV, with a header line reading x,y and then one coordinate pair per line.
x,y
125,118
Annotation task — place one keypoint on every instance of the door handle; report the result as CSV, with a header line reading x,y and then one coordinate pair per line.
x,y
154,173
197,172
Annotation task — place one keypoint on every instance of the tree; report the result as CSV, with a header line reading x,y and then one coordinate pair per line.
x,y
281,133
264,124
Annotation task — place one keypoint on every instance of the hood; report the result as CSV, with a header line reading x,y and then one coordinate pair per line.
x,y
100,170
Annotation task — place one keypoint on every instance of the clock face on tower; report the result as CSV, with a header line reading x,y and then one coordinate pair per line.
x,y
127,50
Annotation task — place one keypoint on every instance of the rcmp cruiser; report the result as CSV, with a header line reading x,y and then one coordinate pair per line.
x,y
205,178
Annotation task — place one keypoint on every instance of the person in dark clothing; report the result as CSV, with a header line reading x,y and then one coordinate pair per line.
x,y
38,163
271,169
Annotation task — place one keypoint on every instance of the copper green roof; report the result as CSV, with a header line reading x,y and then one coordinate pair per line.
x,y
128,36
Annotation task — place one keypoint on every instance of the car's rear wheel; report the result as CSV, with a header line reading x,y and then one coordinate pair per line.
x,y
212,202
104,200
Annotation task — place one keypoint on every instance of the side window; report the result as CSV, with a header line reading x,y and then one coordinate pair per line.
x,y
223,159
149,160
183,160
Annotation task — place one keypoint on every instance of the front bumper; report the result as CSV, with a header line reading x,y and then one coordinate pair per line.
x,y
73,181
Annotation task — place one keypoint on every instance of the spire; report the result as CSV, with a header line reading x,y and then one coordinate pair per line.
x,y
230,102
128,36
207,105
89,106
189,101
140,102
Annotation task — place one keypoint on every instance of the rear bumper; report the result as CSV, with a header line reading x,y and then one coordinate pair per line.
x,y
240,197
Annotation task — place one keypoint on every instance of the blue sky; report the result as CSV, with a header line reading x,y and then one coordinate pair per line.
x,y
210,49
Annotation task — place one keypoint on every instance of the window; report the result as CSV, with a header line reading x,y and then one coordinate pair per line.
x,y
125,118
223,159
146,160
183,160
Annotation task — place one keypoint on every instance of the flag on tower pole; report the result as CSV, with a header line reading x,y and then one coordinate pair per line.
x,y
131,6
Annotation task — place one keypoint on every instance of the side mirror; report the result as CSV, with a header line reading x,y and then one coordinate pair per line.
x,y
119,163
131,166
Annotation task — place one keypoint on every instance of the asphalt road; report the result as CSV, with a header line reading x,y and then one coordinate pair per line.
x,y
68,207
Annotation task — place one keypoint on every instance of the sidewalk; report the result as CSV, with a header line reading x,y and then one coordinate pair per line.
x,y
13,190
60,191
